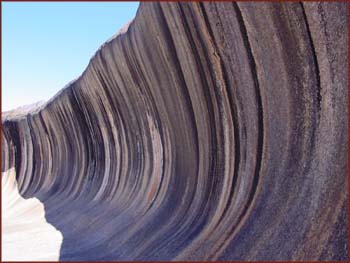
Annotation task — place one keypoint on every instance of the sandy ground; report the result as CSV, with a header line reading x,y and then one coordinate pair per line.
x,y
26,233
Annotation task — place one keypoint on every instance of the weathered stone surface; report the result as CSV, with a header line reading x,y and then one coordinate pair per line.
x,y
203,131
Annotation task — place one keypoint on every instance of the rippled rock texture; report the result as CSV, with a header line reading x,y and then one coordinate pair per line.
x,y
203,131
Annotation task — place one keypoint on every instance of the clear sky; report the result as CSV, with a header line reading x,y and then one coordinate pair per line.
x,y
46,45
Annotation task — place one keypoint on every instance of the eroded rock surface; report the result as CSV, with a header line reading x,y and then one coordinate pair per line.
x,y
203,131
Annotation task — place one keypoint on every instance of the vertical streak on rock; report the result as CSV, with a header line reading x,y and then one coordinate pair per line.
x,y
317,69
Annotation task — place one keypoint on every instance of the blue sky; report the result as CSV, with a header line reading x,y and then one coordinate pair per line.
x,y
46,45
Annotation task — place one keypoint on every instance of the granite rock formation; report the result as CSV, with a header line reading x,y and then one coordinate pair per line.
x,y
202,131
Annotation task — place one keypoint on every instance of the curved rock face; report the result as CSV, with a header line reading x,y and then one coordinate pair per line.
x,y
203,131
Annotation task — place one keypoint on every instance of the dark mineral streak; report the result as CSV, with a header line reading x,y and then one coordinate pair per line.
x,y
202,131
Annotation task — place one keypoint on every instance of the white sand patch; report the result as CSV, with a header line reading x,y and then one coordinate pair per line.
x,y
26,235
